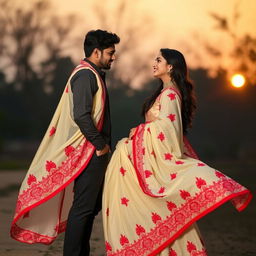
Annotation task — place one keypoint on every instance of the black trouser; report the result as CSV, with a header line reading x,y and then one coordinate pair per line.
x,y
86,205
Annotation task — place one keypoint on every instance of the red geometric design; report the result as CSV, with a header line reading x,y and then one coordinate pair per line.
x,y
172,96
168,156
108,247
172,117
200,182
161,136
161,190
123,171
155,217
124,201
173,176
52,131
148,173
179,162
171,205
139,230
50,165
123,240
191,247
184,194
68,150
31,179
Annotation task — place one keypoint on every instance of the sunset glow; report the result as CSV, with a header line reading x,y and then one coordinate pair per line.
x,y
237,80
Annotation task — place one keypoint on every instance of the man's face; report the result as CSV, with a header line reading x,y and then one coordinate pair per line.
x,y
107,57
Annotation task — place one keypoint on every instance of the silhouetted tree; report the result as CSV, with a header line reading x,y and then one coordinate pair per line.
x,y
243,50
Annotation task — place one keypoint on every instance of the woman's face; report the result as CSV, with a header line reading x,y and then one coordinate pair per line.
x,y
161,67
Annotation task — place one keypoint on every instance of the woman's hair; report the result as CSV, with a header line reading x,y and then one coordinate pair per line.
x,y
179,76
99,39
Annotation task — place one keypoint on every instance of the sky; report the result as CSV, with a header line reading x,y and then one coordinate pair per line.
x,y
185,25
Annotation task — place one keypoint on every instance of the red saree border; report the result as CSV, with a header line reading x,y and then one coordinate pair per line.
x,y
143,245
87,149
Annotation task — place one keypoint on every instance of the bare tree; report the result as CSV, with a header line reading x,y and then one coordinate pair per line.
x,y
242,52
31,34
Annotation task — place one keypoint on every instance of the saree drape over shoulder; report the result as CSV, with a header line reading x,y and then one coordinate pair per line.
x,y
156,188
46,193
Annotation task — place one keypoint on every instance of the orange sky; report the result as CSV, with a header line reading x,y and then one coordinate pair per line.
x,y
181,24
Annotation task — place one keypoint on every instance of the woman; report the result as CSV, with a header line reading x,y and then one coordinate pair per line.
x,y
155,187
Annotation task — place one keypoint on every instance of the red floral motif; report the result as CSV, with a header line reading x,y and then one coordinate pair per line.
x,y
161,136
179,162
200,182
127,141
172,252
31,179
161,190
36,193
139,230
52,131
66,89
123,171
190,247
124,201
168,156
171,205
184,194
148,173
108,247
228,185
130,158
124,240
147,243
172,117
148,130
143,151
107,212
219,174
173,176
201,164
155,217
172,96
153,153
69,149
49,165
57,178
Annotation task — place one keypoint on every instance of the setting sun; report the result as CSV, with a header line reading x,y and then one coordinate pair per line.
x,y
237,80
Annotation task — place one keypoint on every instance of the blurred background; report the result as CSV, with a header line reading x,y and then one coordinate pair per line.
x,y
42,41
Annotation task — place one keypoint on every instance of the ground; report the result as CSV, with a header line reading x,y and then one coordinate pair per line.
x,y
226,232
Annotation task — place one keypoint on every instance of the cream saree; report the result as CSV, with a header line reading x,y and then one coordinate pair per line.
x,y
46,193
156,188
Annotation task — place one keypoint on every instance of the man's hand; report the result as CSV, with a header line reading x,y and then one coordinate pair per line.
x,y
104,151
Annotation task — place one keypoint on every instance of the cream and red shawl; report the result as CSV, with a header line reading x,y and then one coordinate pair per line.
x,y
46,193
156,188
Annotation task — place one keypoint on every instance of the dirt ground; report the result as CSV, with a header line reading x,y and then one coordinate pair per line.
x,y
226,232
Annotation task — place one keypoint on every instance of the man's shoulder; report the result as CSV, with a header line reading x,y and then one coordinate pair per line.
x,y
83,73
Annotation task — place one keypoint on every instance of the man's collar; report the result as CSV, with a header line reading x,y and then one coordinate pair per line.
x,y
100,71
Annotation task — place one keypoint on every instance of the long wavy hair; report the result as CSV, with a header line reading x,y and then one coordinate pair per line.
x,y
179,76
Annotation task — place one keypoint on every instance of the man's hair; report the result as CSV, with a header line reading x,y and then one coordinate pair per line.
x,y
99,39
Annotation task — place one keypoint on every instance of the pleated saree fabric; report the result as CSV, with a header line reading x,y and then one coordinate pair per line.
x,y
46,194
156,188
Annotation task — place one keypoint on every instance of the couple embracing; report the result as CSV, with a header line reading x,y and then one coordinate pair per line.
x,y
153,189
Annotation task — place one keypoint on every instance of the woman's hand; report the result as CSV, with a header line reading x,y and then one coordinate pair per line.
x,y
132,131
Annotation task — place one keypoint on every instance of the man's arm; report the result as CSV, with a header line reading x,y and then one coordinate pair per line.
x,y
84,87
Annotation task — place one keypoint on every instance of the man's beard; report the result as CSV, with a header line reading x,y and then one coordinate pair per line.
x,y
106,65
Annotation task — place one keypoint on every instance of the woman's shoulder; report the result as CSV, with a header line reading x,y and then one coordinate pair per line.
x,y
170,92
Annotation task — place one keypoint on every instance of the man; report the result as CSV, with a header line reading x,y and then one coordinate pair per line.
x,y
63,186
99,47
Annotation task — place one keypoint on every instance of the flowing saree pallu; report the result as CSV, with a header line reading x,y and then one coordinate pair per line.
x,y
46,193
156,188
